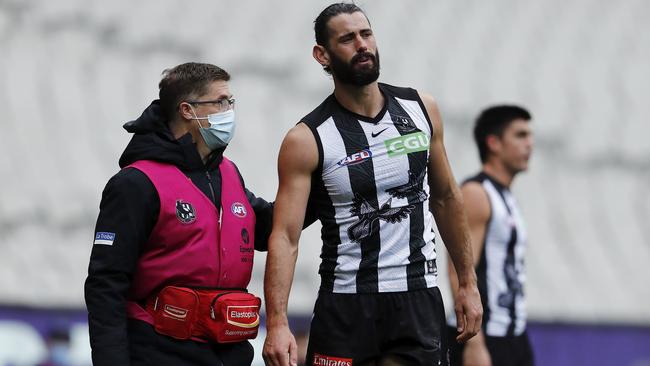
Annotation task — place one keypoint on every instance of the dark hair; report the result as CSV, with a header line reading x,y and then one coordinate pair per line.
x,y
493,121
186,81
321,32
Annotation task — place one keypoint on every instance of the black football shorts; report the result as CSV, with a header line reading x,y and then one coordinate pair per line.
x,y
352,329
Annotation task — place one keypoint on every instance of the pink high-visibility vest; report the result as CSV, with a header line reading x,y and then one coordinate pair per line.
x,y
192,243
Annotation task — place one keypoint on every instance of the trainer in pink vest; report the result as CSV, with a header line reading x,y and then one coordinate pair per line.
x,y
192,245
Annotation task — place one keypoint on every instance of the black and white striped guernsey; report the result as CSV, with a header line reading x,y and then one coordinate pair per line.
x,y
500,270
371,194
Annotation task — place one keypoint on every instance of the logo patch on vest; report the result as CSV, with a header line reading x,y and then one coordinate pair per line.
x,y
244,236
238,209
104,238
185,212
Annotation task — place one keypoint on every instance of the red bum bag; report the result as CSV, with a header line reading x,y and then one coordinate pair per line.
x,y
222,316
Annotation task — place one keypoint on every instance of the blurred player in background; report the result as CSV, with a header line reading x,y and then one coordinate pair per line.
x,y
505,142
371,161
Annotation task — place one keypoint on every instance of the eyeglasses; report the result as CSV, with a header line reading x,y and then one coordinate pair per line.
x,y
224,104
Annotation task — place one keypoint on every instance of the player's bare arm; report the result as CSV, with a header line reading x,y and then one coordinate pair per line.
x,y
447,207
477,208
297,160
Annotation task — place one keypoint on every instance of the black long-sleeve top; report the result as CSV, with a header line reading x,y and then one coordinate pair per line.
x,y
129,208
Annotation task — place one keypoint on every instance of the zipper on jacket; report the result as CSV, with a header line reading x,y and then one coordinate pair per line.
x,y
214,198
214,201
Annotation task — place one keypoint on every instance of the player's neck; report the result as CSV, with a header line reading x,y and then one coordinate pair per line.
x,y
363,100
499,172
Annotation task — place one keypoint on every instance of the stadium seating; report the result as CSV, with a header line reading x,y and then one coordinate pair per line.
x,y
72,72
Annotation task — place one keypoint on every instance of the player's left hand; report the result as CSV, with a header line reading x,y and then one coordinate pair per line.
x,y
280,348
469,312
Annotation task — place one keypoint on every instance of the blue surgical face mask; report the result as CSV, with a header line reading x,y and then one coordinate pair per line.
x,y
221,129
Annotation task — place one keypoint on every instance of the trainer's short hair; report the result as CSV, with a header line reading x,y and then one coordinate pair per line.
x,y
321,31
186,81
493,121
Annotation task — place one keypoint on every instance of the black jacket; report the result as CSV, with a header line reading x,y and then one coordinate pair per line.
x,y
129,208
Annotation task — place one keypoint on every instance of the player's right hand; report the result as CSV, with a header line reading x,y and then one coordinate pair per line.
x,y
280,347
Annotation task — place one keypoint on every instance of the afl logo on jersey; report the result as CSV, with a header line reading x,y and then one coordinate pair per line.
x,y
356,158
238,209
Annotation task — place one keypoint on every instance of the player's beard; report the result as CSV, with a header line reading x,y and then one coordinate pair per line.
x,y
348,74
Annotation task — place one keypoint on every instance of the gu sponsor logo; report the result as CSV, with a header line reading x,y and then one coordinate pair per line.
x,y
356,158
322,360
416,141
238,209
243,316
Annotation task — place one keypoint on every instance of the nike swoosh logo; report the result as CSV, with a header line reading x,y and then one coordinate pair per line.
x,y
377,134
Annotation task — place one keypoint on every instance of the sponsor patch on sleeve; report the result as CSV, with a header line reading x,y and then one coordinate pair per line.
x,y
104,238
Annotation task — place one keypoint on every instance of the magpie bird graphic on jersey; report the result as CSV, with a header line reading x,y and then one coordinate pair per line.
x,y
370,214
412,188
403,123
515,288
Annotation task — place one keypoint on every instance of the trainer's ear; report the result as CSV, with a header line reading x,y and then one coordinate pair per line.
x,y
321,56
185,111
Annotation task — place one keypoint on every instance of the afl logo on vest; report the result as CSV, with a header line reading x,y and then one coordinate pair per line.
x,y
238,209
185,212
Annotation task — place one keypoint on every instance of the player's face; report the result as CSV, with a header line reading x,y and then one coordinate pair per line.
x,y
352,49
516,145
